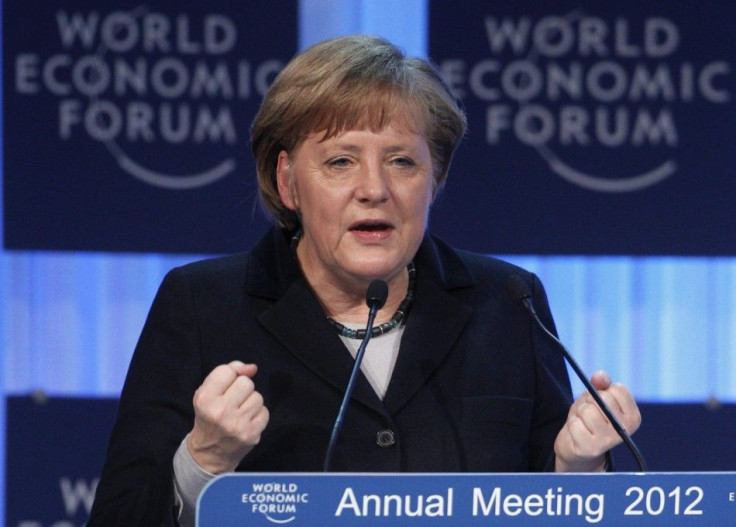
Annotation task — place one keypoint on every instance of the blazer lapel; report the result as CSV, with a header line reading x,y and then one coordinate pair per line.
x,y
298,322
436,319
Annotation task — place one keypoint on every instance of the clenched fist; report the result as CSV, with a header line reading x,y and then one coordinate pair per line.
x,y
229,417
587,435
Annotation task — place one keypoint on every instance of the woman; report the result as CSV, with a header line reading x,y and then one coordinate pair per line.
x,y
243,360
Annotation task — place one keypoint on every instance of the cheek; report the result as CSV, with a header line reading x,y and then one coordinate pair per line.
x,y
420,199
323,208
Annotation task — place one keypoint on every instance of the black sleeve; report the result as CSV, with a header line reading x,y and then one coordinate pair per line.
x,y
155,414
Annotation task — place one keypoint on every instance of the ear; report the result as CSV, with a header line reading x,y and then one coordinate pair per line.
x,y
287,192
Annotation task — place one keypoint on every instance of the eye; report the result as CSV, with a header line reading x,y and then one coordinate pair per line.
x,y
339,162
403,161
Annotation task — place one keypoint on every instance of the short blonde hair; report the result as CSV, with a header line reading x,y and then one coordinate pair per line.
x,y
343,84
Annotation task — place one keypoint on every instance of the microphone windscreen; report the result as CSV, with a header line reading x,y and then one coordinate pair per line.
x,y
518,288
377,294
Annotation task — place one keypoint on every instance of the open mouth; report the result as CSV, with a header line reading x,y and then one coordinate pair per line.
x,y
371,227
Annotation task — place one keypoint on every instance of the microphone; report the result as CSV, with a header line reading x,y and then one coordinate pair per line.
x,y
520,291
375,297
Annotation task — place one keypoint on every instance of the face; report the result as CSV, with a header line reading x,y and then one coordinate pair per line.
x,y
363,198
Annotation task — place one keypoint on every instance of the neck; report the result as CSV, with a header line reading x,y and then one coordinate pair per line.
x,y
347,304
343,295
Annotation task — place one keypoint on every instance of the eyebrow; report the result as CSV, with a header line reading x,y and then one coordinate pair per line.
x,y
351,147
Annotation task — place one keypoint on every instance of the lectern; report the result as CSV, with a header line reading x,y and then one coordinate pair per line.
x,y
455,500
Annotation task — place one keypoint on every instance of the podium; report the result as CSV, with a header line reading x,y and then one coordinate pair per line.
x,y
614,499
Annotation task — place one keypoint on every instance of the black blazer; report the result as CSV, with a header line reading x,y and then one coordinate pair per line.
x,y
475,388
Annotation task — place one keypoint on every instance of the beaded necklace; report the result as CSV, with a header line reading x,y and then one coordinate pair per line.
x,y
386,326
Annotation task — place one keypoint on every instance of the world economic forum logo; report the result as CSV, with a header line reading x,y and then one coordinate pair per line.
x,y
149,85
277,502
576,84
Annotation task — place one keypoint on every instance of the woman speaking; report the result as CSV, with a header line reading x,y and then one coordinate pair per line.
x,y
244,360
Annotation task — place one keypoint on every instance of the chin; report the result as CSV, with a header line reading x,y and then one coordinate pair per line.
x,y
370,263
371,271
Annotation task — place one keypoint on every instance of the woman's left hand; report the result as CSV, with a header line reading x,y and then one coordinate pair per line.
x,y
587,435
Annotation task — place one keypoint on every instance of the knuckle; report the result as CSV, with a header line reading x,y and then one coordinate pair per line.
x,y
201,402
257,399
220,371
244,382
589,413
217,414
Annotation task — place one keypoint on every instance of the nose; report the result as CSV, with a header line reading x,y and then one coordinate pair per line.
x,y
372,186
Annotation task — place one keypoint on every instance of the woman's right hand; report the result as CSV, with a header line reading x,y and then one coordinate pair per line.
x,y
229,417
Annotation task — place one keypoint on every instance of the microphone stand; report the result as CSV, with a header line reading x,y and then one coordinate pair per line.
x,y
376,297
520,289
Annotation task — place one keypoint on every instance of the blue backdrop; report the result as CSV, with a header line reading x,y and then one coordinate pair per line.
x,y
129,124
601,128
664,325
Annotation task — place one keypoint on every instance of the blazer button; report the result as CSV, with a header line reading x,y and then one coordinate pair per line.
x,y
385,438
